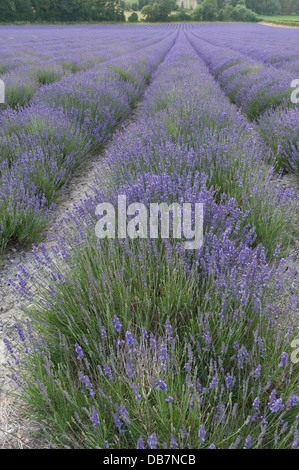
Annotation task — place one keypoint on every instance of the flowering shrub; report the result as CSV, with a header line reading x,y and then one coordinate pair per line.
x,y
140,344
280,130
44,143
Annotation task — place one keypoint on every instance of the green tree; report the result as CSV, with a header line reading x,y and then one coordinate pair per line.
x,y
197,13
108,10
234,3
227,12
7,11
241,13
289,7
271,7
133,18
165,8
159,11
255,5
209,10
23,10
151,13
142,3
47,10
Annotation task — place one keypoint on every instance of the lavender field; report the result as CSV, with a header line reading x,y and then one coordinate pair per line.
x,y
137,343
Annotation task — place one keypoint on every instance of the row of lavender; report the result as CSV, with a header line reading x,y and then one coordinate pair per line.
x,y
277,47
44,143
139,343
262,89
42,59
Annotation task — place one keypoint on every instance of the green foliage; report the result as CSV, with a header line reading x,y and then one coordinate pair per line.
x,y
159,11
209,10
181,16
142,3
133,18
241,13
235,11
53,11
273,7
197,13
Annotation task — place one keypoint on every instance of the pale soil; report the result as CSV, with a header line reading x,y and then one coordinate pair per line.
x,y
278,25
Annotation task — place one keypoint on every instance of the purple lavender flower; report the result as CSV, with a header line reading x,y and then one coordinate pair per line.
x,y
152,341
201,433
163,353
160,385
144,333
275,404
21,334
121,416
214,381
257,372
173,443
130,339
86,380
169,399
103,332
283,360
152,441
94,417
247,443
117,324
79,351
256,403
229,381
135,389
140,443
292,401
168,328
108,371
8,346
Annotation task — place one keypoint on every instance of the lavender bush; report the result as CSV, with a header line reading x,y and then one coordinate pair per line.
x,y
44,143
139,343
278,47
280,130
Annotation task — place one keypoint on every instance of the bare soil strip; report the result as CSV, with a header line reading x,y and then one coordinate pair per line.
x,y
278,25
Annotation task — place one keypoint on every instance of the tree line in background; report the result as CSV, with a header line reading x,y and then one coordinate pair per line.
x,y
216,10
60,10
52,11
